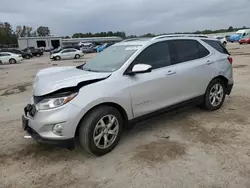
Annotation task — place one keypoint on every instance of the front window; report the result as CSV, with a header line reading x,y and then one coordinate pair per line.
x,y
111,58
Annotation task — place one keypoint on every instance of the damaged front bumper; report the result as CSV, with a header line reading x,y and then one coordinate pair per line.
x,y
40,125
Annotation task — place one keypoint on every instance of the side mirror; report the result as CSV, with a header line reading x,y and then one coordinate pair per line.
x,y
140,68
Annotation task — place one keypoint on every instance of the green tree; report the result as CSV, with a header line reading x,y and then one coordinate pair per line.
x,y
18,30
43,31
28,31
230,29
23,32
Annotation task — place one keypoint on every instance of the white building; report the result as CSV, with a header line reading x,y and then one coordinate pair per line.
x,y
38,42
54,42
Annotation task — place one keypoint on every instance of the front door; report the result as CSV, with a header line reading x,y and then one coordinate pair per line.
x,y
154,90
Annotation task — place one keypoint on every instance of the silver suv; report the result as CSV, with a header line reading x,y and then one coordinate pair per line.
x,y
127,82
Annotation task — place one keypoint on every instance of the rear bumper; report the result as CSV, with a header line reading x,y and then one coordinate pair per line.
x,y
229,89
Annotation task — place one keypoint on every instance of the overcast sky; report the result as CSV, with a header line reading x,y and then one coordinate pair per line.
x,y
65,17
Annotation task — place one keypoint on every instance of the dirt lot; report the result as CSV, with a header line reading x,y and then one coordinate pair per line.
x,y
189,148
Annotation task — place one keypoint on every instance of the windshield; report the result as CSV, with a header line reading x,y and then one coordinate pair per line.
x,y
110,59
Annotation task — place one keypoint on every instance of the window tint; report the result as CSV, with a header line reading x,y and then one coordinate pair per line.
x,y
5,54
187,50
157,55
72,50
65,51
217,45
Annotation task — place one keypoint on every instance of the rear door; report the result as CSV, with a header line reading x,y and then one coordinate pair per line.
x,y
72,53
65,54
190,63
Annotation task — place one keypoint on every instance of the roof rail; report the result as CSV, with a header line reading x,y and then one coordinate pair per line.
x,y
179,35
131,39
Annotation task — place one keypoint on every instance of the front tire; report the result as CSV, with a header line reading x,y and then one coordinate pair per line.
x,y
12,61
77,56
215,95
57,57
100,130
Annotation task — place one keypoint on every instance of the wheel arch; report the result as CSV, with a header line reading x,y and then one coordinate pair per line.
x,y
12,58
112,104
221,77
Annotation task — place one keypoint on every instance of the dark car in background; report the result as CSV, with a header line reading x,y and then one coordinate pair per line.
x,y
33,51
87,49
26,55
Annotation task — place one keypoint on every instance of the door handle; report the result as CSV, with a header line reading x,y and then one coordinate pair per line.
x,y
170,72
209,62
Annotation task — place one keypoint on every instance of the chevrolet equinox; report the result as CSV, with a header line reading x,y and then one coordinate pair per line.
x,y
129,81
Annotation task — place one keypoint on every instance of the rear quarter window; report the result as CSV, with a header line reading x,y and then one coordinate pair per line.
x,y
184,50
216,45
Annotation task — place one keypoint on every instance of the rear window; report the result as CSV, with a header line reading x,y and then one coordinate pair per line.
x,y
187,50
216,45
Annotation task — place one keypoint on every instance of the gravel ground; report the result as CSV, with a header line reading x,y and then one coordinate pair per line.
x,y
189,148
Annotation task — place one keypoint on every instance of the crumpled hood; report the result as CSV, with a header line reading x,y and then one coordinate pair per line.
x,y
52,79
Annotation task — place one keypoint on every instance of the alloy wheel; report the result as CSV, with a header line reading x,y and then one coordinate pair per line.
x,y
106,131
216,95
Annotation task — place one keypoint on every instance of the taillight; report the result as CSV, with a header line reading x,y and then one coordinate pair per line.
x,y
230,59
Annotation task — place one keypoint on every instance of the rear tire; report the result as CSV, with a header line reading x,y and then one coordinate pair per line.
x,y
12,61
215,95
100,124
77,56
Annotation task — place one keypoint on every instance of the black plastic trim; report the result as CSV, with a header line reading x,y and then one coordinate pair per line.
x,y
229,89
191,102
68,143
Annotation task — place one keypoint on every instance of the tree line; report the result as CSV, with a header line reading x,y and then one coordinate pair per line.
x,y
8,35
123,34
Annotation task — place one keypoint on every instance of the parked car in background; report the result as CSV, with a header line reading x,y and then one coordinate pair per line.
x,y
239,35
34,51
69,53
87,49
86,44
95,48
227,37
8,57
26,55
62,48
104,46
161,74
222,39
245,40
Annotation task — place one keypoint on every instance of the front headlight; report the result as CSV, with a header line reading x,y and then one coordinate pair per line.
x,y
50,103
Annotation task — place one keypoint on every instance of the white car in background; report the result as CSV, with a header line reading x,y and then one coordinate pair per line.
x,y
222,39
7,57
69,53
